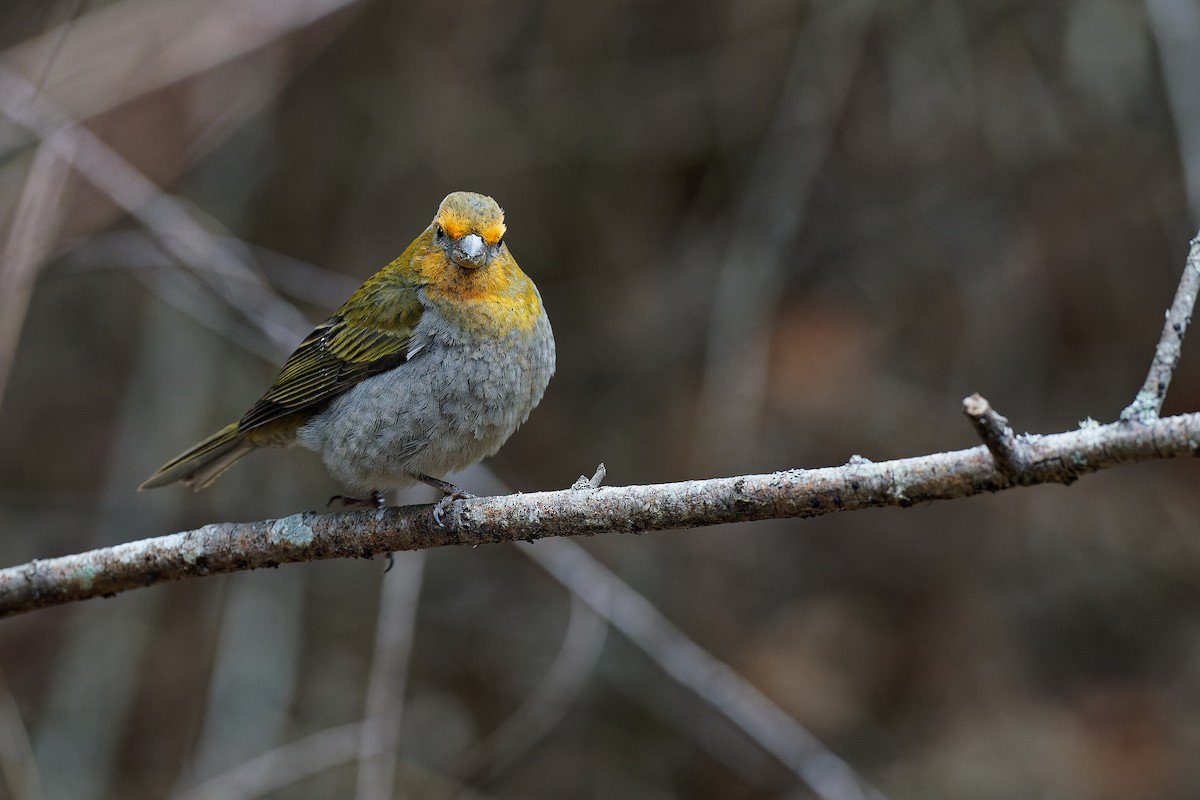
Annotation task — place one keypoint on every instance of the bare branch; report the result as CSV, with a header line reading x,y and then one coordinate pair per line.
x,y
1148,403
309,536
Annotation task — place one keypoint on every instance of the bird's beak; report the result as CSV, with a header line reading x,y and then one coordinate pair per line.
x,y
469,252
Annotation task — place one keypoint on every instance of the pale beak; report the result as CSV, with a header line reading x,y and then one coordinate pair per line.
x,y
469,252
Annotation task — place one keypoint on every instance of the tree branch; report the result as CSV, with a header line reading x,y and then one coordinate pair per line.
x,y
1148,403
309,536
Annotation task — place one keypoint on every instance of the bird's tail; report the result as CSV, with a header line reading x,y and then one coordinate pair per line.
x,y
201,465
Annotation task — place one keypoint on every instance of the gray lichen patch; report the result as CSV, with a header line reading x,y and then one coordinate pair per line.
x,y
292,530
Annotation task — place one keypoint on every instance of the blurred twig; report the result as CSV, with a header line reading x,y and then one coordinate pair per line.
x,y
190,38
29,241
252,679
333,747
309,536
125,250
17,765
692,666
1176,26
571,670
283,766
394,629
112,55
623,607
174,227
725,743
139,253
770,215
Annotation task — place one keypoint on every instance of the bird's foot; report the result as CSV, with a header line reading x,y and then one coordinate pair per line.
x,y
374,501
452,493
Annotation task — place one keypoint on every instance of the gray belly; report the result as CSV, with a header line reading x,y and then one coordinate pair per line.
x,y
451,405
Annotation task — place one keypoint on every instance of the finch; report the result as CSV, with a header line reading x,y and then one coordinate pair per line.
x,y
428,368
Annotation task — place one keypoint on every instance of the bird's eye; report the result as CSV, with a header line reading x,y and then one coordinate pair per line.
x,y
439,233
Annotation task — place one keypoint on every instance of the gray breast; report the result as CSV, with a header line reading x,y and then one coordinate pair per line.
x,y
454,402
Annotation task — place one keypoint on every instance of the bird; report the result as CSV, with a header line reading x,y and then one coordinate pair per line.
x,y
429,367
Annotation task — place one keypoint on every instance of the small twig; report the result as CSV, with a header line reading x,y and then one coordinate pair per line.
x,y
1149,401
17,765
584,482
1010,452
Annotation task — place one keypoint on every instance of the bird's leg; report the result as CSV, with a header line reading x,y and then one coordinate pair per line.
x,y
374,501
452,493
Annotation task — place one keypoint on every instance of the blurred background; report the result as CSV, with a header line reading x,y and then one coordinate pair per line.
x,y
769,234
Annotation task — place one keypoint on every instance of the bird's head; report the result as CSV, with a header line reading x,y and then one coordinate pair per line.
x,y
469,228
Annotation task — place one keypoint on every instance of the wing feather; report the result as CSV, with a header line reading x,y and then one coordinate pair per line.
x,y
341,352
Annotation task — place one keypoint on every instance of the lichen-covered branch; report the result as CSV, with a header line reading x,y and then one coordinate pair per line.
x,y
229,547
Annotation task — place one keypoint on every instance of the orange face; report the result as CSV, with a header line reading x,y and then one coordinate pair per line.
x,y
466,265
464,213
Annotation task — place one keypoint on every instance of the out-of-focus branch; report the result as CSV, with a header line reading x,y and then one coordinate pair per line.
x,y
18,768
772,210
394,630
1176,27
29,240
689,664
541,711
309,536
283,766
111,55
174,227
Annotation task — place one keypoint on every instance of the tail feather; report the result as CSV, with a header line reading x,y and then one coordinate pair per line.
x,y
201,465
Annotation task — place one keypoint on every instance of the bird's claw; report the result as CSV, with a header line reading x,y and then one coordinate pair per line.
x,y
442,506
374,501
